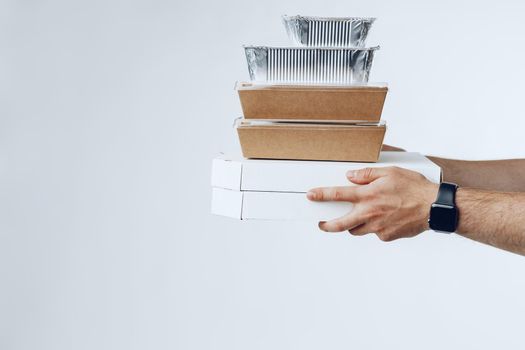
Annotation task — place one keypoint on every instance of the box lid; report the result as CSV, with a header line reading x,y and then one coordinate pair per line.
x,y
241,122
238,173
242,85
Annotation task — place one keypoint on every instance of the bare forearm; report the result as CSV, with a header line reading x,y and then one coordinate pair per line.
x,y
494,218
394,203
494,175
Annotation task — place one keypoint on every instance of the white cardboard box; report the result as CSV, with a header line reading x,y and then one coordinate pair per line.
x,y
253,205
260,189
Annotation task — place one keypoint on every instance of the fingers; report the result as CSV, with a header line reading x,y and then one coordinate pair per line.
x,y
338,194
344,223
348,193
367,175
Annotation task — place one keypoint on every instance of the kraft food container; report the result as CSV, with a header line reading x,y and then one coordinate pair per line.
x,y
328,31
312,102
337,141
308,65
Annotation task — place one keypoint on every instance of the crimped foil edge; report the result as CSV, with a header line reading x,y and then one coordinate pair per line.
x,y
328,18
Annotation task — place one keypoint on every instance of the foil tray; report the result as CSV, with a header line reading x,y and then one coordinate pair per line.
x,y
309,65
328,31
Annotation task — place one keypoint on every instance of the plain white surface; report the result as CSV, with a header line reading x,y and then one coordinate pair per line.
x,y
237,173
110,114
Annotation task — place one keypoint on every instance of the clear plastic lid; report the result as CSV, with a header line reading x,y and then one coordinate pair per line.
x,y
241,122
243,85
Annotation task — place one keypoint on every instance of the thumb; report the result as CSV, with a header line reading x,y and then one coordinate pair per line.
x,y
366,175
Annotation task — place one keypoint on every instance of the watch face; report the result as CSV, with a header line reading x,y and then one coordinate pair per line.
x,y
443,218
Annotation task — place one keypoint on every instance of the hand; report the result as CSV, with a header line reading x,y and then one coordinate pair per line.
x,y
391,202
392,148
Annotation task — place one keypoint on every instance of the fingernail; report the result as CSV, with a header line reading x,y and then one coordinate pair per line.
x,y
321,223
311,195
350,174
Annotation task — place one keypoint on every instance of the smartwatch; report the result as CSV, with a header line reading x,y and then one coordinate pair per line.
x,y
443,212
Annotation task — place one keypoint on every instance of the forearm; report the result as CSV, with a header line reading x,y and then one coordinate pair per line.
x,y
493,175
394,203
494,218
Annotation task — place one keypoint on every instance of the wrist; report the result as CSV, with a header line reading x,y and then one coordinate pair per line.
x,y
430,196
444,211
462,196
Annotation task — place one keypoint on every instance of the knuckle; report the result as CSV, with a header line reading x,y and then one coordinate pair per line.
x,y
362,191
367,193
385,236
367,173
338,194
373,191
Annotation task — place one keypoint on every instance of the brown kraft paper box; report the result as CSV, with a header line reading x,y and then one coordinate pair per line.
x,y
303,102
312,141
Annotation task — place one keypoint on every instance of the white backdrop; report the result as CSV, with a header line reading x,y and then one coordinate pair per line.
x,y
110,114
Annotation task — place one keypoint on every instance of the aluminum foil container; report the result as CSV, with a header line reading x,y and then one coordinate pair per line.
x,y
309,65
328,31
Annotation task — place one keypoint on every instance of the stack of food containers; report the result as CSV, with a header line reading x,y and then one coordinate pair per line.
x,y
307,104
313,101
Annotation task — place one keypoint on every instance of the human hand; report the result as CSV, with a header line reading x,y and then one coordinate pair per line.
x,y
392,148
391,202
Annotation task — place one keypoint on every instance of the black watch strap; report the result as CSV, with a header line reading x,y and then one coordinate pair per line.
x,y
443,212
447,194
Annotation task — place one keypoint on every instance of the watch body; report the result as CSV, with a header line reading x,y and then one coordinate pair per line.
x,y
444,213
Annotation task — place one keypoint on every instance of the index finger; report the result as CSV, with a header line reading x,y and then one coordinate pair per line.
x,y
337,194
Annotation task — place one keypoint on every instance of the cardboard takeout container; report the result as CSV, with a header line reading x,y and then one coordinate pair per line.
x,y
339,141
312,102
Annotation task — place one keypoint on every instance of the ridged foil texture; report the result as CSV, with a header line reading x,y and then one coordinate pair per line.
x,y
308,65
328,31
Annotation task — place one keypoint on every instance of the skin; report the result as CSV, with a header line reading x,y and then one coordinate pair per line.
x,y
486,174
395,203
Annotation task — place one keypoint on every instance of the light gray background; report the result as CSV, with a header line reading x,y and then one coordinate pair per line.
x,y
110,114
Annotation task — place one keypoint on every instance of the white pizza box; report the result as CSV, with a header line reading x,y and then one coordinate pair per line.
x,y
238,173
250,189
255,205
